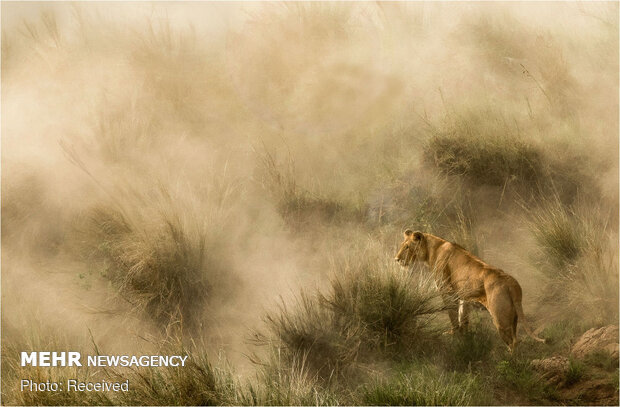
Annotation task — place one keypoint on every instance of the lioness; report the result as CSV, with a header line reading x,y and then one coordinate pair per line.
x,y
468,278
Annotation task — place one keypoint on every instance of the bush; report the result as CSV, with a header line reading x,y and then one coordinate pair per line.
x,y
480,147
298,206
165,257
577,252
370,309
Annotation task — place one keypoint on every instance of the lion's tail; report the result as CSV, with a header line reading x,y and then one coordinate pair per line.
x,y
516,300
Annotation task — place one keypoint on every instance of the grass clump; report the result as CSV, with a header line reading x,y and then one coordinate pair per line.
x,y
603,359
370,309
471,348
298,206
291,382
577,253
575,372
561,334
198,383
480,147
484,149
310,332
158,270
53,341
517,374
164,257
493,161
392,308
560,234
431,202
426,387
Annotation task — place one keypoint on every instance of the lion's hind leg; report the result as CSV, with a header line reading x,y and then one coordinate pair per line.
x,y
507,337
505,331
515,336
504,318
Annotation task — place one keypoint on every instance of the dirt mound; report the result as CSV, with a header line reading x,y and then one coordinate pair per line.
x,y
597,392
577,382
597,339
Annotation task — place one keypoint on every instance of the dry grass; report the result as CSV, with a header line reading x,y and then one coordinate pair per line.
x,y
298,206
370,309
164,200
162,255
577,254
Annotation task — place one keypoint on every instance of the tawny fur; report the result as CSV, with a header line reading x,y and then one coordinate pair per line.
x,y
465,277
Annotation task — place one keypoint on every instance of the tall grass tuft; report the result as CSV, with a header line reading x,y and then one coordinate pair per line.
x,y
164,255
290,382
370,309
32,340
560,235
311,332
393,308
297,205
471,348
577,251
198,383
482,148
485,148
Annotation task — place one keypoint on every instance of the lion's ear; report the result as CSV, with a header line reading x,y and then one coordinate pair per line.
x,y
417,236
408,233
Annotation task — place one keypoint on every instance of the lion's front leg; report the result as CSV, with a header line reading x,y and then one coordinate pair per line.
x,y
463,315
451,303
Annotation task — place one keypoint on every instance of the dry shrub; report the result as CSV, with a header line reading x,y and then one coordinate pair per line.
x,y
371,309
577,252
484,148
165,256
296,205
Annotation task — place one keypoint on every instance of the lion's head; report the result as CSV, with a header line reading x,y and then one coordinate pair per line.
x,y
413,248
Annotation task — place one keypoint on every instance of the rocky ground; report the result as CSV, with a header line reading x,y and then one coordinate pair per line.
x,y
589,375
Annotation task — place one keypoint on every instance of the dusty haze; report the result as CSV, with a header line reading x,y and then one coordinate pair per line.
x,y
274,139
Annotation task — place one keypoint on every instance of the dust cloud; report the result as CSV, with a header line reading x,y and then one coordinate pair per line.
x,y
211,129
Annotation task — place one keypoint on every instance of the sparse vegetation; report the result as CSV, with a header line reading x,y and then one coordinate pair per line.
x,y
575,372
519,376
576,256
427,387
135,200
298,206
602,359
